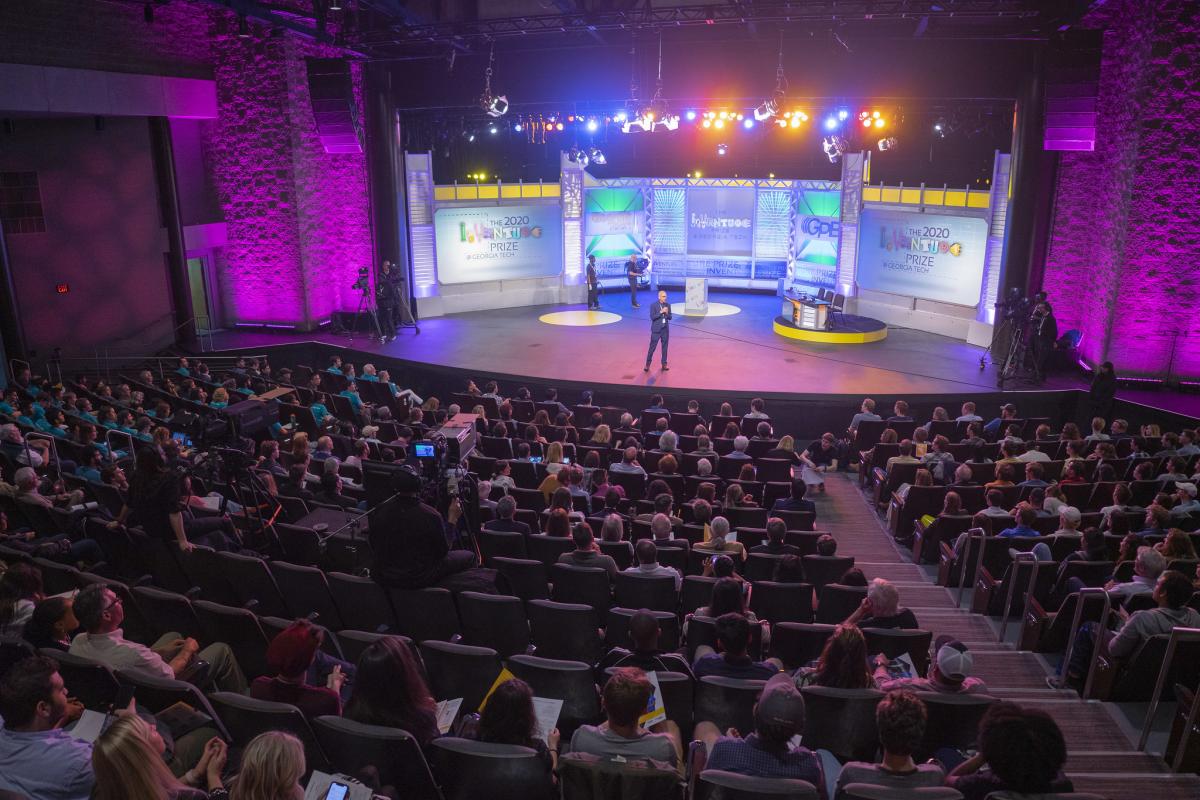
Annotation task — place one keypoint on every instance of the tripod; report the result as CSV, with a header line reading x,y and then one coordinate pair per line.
x,y
365,306
401,315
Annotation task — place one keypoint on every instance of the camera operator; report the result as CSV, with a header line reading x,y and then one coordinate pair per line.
x,y
411,539
1045,334
387,289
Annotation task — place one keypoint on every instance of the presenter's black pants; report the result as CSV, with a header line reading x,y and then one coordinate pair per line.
x,y
633,291
387,319
593,297
655,338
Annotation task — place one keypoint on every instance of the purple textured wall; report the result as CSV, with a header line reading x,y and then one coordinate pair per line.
x,y
1122,259
298,221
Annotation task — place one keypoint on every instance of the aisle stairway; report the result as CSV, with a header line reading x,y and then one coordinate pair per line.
x,y
1099,737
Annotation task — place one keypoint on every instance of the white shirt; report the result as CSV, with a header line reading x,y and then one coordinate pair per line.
x,y
1033,455
656,570
969,418
116,652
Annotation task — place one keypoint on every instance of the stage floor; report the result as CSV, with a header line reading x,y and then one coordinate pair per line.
x,y
738,351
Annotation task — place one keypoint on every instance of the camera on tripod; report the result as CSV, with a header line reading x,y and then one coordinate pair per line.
x,y
1016,306
363,283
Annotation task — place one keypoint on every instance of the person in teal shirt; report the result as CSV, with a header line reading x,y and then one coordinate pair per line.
x,y
351,394
220,398
10,403
335,365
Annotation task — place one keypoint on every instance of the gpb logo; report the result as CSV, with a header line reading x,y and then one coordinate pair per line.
x,y
816,226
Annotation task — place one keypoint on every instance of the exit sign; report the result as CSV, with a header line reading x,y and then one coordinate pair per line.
x,y
62,288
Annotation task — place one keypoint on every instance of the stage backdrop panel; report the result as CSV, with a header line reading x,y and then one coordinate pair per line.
x,y
930,256
721,222
498,243
818,232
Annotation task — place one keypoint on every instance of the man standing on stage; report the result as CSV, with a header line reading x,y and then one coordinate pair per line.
x,y
631,269
593,284
387,290
1045,334
660,318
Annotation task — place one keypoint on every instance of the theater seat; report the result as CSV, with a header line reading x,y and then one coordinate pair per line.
x,y
953,721
714,784
841,721
584,776
396,755
459,670
569,681
563,631
246,717
727,702
508,771
870,791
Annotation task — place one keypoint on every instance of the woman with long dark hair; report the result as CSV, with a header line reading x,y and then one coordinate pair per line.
x,y
20,591
843,662
508,718
52,624
389,691
157,504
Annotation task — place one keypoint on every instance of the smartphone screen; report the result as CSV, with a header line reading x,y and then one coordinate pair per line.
x,y
337,791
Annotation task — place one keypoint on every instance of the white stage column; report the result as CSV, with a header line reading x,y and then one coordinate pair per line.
x,y
695,296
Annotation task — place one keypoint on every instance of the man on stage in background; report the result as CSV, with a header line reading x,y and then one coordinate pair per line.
x,y
631,270
593,284
660,329
1045,334
387,292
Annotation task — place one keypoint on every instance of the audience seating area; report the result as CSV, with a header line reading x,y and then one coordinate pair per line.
x,y
552,622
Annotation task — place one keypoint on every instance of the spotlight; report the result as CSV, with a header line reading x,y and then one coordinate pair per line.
x,y
620,116
570,118
597,156
708,123
724,115
517,127
875,114
741,117
834,147
722,149
766,109
831,123
558,126
577,156
795,123
470,137
879,122
843,115
492,105
592,126
690,115
698,175
243,27
890,143
720,123
747,124
939,128
865,118
335,5
493,130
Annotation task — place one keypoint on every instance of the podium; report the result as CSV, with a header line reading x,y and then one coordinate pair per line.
x,y
695,296
805,312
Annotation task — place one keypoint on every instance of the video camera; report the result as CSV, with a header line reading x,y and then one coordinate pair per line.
x,y
364,280
1016,307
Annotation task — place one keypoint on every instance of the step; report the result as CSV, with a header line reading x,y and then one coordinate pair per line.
x,y
1092,761
1087,726
1010,670
891,571
1138,786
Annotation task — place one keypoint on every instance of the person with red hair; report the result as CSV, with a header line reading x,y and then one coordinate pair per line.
x,y
290,655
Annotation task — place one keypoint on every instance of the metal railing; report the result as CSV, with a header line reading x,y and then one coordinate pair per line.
x,y
1018,560
1177,635
53,450
966,556
1080,600
109,433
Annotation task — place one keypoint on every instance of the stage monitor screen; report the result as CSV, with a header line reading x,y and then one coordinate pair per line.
x,y
496,243
931,256
614,223
720,222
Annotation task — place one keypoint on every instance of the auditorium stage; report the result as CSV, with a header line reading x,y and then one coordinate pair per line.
x,y
738,352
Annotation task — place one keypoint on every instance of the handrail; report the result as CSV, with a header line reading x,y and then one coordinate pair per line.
x,y
1018,559
12,369
109,433
1177,635
53,449
1081,597
962,572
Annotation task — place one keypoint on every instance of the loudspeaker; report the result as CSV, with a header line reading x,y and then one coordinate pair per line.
x,y
331,93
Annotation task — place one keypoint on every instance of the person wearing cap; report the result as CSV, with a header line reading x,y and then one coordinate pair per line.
x,y
992,429
291,654
644,633
1069,518
410,539
950,672
1185,493
767,752
900,719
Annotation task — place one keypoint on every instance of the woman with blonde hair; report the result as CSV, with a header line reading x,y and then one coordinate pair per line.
x,y
299,446
786,450
220,397
602,435
127,762
554,457
272,766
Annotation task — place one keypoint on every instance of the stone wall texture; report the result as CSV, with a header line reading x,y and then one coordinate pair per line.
x,y
1123,263
297,218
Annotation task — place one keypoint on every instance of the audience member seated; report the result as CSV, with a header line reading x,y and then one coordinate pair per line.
x,y
271,766
843,662
647,558
509,718
37,758
950,672
389,691
795,501
1020,750
422,556
100,612
128,761
820,457
1177,545
866,413
900,719
628,463
664,503
1026,517
767,752
52,624
290,655
775,546
733,660
587,552
623,700
644,633
881,608
505,522
20,591
721,541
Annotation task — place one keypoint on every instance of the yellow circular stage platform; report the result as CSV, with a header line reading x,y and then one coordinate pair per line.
x,y
580,319
714,310
851,330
